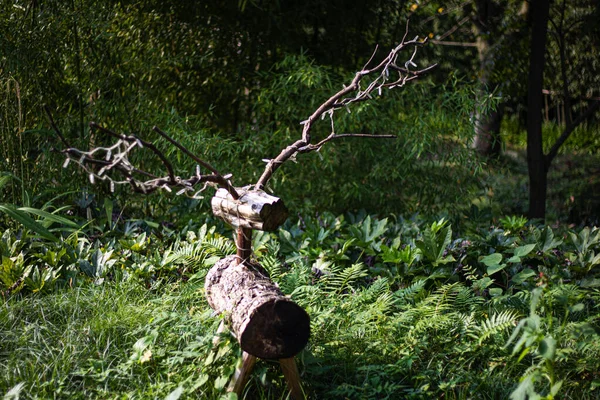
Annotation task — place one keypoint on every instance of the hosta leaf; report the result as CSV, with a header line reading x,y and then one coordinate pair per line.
x,y
520,252
492,262
492,269
523,276
492,259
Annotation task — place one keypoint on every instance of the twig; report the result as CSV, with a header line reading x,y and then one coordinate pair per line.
x,y
53,124
568,130
140,143
206,165
99,162
457,44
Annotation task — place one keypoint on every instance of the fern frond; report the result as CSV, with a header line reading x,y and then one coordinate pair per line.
x,y
339,282
467,300
410,293
513,302
273,265
219,246
307,295
189,255
384,303
195,255
376,289
467,321
494,324
300,274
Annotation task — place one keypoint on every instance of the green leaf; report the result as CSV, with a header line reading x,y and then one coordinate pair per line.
x,y
434,242
175,394
483,283
492,269
526,389
589,283
28,222
49,216
492,259
523,276
520,252
545,239
492,262
577,307
547,348
4,179
220,382
555,388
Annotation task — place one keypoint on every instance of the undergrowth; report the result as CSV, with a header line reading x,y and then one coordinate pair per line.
x,y
399,309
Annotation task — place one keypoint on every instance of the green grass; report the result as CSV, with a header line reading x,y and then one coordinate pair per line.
x,y
117,341
399,309
49,342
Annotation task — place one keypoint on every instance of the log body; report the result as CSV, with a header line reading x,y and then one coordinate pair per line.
x,y
266,323
255,209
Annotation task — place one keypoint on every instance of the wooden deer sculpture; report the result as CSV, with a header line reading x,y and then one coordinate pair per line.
x,y
266,323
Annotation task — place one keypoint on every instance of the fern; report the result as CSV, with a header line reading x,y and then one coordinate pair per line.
x,y
299,274
448,293
271,263
340,280
384,303
190,255
467,300
219,246
308,296
378,288
199,254
410,293
467,321
494,325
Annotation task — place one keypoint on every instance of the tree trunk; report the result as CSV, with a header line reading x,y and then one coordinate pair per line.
x,y
538,169
266,323
487,141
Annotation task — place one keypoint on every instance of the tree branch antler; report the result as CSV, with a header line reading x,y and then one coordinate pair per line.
x,y
388,74
100,161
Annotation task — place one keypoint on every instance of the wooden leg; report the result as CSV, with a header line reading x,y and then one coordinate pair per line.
x,y
292,377
242,374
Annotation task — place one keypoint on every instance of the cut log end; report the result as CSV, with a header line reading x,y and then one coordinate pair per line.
x,y
266,323
278,329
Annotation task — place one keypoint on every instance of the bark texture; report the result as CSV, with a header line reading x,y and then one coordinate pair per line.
x,y
254,209
266,323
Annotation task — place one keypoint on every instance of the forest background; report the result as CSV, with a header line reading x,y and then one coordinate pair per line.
x,y
502,134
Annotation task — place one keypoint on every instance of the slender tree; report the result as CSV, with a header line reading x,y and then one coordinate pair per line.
x,y
538,162
535,152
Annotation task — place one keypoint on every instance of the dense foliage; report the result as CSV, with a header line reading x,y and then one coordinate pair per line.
x,y
233,82
399,308
102,292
